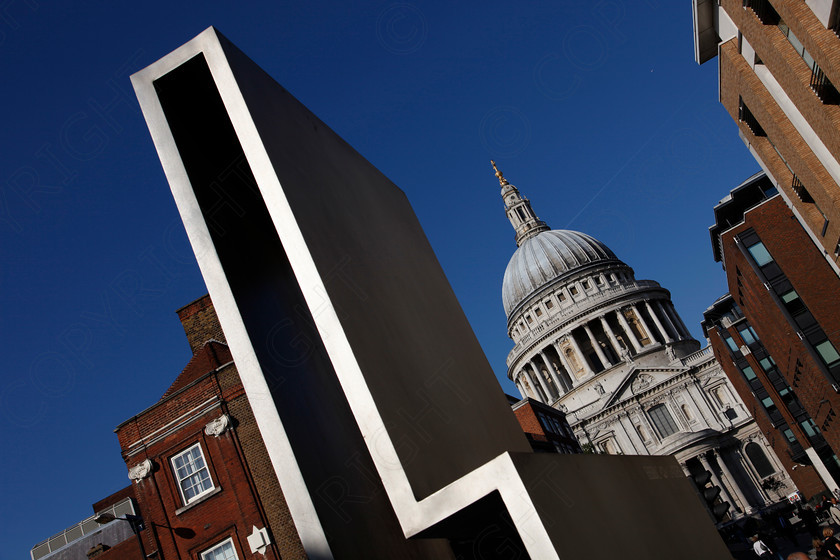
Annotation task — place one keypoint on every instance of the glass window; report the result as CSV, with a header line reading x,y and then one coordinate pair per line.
x,y
827,352
585,284
748,334
192,473
789,435
549,304
663,421
767,363
760,254
748,373
222,551
809,427
573,290
731,343
789,296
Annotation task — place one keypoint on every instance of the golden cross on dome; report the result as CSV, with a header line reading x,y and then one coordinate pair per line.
x,y
502,180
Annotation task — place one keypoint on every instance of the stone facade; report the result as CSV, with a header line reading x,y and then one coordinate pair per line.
x,y
612,353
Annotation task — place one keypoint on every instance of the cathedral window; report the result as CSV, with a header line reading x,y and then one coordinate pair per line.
x,y
538,312
561,296
663,420
529,319
599,280
549,304
573,290
585,284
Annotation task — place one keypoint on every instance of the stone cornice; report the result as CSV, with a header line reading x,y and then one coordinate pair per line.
x,y
608,305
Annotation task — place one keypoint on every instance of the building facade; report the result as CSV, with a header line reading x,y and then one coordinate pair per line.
x,y
613,354
546,428
779,64
198,464
202,486
778,330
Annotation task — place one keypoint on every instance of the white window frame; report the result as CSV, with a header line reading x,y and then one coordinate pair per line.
x,y
180,480
206,554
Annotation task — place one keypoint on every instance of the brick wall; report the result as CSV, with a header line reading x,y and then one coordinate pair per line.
x,y
737,78
246,493
816,284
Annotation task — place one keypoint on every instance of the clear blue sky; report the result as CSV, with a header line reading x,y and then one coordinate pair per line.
x,y
595,110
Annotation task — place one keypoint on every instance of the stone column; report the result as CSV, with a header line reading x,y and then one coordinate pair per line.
x,y
717,481
611,335
623,420
565,363
520,388
643,324
543,384
534,393
680,321
597,347
659,326
557,381
668,320
521,385
535,364
630,334
587,369
745,504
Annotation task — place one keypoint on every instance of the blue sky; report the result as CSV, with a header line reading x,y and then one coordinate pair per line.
x,y
595,110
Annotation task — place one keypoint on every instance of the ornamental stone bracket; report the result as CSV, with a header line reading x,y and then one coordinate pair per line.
x,y
218,426
140,470
258,540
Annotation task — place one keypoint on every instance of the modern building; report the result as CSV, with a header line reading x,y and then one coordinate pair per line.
x,y
97,535
777,331
612,353
779,65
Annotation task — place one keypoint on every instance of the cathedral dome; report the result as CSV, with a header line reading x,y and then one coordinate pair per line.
x,y
545,257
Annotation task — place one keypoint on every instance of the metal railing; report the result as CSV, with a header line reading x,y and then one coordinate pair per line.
x,y
79,530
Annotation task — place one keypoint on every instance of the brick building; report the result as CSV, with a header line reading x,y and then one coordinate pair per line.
x,y
201,474
546,428
777,332
779,64
202,481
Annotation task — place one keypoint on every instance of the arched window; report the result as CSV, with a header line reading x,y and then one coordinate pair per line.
x,y
759,459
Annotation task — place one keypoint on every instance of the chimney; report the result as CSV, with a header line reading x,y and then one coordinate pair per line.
x,y
200,323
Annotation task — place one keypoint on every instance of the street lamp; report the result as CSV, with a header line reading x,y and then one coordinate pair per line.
x,y
134,520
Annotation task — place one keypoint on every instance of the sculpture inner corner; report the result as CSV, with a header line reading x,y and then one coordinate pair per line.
x,y
385,425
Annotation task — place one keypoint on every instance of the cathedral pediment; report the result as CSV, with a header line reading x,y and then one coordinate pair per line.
x,y
640,380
